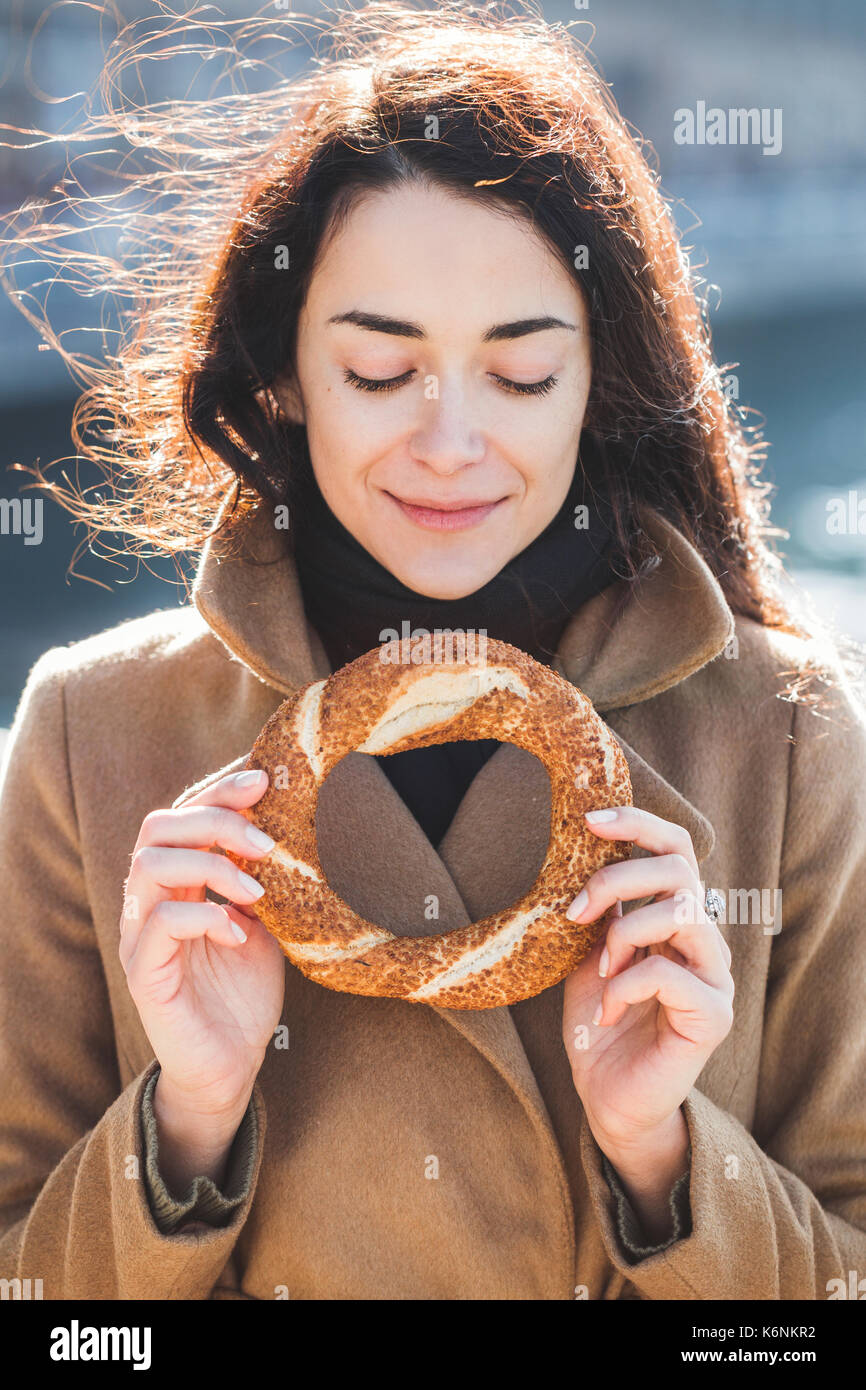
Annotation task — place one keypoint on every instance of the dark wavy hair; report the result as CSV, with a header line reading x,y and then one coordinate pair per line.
x,y
483,103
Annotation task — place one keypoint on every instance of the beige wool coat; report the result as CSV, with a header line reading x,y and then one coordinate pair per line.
x,y
407,1151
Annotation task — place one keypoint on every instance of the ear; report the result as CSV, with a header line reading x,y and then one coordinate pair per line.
x,y
287,395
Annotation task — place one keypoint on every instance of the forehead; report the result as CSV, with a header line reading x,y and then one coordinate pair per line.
x,y
425,254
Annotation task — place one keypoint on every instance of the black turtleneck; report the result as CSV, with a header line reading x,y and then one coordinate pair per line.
x,y
350,598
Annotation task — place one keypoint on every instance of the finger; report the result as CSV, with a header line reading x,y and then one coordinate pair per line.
x,y
690,932
699,1013
694,909
241,914
629,879
170,924
644,829
611,916
202,826
158,871
236,790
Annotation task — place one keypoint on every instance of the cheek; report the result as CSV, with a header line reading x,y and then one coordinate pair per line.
x,y
345,442
333,422
542,440
355,414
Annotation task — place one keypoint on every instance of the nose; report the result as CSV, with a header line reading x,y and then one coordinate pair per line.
x,y
446,437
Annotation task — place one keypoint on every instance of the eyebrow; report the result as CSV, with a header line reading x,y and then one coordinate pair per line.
x,y
399,328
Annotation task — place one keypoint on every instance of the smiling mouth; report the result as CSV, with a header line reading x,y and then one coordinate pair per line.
x,y
445,516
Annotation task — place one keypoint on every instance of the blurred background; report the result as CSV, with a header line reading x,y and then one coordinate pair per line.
x,y
780,238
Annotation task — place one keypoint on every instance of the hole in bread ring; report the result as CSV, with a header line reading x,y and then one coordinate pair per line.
x,y
376,704
501,829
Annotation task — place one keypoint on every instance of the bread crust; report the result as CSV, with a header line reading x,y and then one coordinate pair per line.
x,y
505,957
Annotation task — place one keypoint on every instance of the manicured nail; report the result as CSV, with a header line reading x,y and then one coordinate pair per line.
x,y
259,838
238,931
604,963
251,886
596,1018
578,906
596,817
247,779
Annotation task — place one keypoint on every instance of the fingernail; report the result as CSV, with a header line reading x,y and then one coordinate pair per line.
x,y
596,817
238,931
251,886
579,905
604,962
596,1018
259,838
247,779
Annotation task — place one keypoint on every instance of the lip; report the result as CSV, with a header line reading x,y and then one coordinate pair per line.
x,y
441,516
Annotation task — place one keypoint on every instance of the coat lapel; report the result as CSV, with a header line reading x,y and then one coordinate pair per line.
x,y
621,648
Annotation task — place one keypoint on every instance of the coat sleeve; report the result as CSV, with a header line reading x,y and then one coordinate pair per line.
x,y
628,1224
787,1219
203,1201
74,1208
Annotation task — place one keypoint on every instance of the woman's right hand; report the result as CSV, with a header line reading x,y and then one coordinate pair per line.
x,y
209,1000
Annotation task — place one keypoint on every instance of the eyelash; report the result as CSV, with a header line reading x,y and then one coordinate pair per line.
x,y
517,388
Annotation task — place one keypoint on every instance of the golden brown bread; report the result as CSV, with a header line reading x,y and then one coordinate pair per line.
x,y
380,704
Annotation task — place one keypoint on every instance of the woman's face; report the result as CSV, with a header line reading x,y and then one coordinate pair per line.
x,y
426,314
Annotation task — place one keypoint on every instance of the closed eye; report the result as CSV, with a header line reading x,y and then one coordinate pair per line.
x,y
528,388
367,383
393,383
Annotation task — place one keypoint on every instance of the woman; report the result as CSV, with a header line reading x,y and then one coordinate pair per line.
x,y
449,338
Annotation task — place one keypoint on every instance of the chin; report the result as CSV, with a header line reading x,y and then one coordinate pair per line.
x,y
445,585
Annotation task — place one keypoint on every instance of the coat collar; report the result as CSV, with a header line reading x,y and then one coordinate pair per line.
x,y
621,648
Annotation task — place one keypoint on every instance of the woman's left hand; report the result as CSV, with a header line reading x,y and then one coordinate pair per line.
x,y
649,1004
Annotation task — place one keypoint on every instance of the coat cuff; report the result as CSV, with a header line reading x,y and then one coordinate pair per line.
x,y
627,1221
203,1202
728,1200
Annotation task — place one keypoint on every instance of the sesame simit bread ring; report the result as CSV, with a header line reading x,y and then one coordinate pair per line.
x,y
382,704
